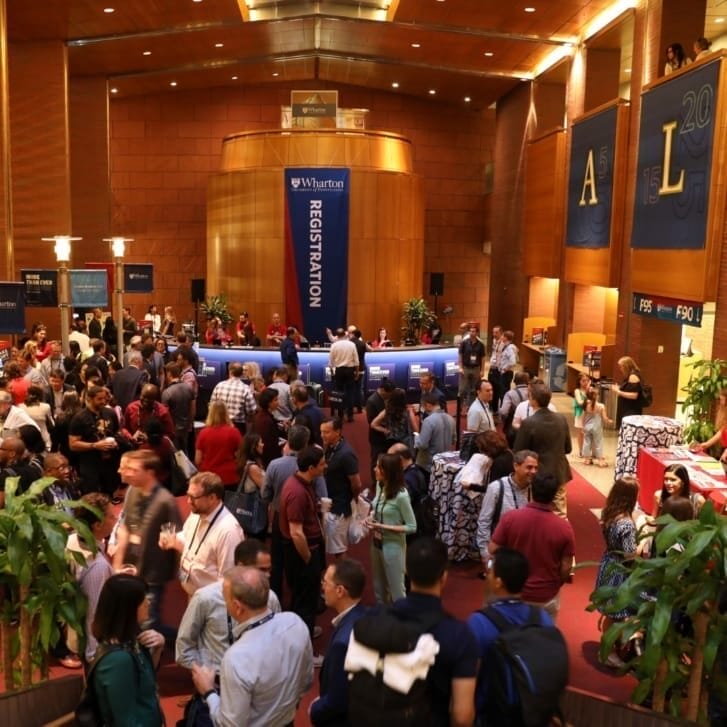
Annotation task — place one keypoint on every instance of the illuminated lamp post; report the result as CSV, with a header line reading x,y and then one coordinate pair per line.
x,y
118,249
62,249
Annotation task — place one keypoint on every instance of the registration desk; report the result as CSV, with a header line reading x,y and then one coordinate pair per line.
x,y
401,365
458,510
706,475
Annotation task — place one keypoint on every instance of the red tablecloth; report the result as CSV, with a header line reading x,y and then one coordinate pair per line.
x,y
650,472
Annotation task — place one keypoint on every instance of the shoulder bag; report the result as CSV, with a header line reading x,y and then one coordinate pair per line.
x,y
248,507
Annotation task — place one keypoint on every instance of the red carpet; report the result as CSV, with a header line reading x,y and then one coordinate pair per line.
x,y
464,593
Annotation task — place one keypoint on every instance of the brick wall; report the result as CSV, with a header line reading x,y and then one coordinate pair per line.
x,y
164,147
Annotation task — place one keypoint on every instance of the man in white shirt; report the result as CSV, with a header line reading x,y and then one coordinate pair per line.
x,y
343,360
209,535
206,624
265,673
480,417
12,417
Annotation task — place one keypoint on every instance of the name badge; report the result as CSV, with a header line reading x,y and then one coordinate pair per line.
x,y
473,359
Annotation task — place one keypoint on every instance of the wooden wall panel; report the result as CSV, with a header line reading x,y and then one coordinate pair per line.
x,y
39,151
544,206
7,266
89,159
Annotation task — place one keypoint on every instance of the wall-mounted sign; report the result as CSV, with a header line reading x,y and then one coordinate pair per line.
x,y
138,278
684,312
41,288
12,308
676,139
590,183
314,109
89,288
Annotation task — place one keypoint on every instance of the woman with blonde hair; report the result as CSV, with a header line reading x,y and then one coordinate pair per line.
x,y
629,390
720,424
217,445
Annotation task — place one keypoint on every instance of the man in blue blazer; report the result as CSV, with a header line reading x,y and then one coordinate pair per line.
x,y
343,586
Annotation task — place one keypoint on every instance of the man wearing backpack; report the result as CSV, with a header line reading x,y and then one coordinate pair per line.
x,y
510,401
445,697
416,481
507,493
507,573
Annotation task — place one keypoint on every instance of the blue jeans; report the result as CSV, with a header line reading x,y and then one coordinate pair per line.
x,y
154,596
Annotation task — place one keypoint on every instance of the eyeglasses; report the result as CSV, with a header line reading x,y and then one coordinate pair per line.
x,y
195,497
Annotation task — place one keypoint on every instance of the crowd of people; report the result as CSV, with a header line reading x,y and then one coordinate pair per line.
x,y
107,430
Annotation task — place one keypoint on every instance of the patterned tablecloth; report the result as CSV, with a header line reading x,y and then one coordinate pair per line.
x,y
458,511
643,431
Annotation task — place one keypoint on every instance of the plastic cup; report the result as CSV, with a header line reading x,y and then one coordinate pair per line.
x,y
326,504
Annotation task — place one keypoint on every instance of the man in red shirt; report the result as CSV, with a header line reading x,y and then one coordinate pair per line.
x,y
144,408
302,534
276,331
547,541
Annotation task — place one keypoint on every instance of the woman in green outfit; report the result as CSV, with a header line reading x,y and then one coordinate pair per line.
x,y
391,520
124,671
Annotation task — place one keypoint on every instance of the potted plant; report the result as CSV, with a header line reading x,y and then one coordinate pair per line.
x,y
216,306
677,667
416,316
39,590
707,379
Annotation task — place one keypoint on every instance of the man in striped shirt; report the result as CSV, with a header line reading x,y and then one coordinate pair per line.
x,y
237,397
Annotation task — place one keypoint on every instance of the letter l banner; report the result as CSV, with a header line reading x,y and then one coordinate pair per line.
x,y
316,249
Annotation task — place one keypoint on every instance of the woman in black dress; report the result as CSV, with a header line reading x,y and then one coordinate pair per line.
x,y
629,390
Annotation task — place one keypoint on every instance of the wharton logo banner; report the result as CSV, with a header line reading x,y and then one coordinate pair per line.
x,y
316,249
12,308
139,278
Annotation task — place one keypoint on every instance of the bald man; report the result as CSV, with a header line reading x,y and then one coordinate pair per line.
x,y
146,407
14,464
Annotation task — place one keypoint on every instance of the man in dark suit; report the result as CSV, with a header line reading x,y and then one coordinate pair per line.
x,y
546,432
343,586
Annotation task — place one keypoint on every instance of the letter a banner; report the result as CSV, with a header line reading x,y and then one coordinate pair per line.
x,y
316,249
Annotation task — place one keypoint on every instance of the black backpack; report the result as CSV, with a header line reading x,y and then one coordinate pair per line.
x,y
370,700
426,510
532,659
507,421
647,395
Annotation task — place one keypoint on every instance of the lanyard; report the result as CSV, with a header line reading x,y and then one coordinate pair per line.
x,y
206,532
487,412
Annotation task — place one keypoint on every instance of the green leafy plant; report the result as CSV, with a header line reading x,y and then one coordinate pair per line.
x,y
216,306
677,666
39,590
707,379
416,316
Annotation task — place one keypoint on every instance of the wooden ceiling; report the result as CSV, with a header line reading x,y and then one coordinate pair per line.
x,y
144,46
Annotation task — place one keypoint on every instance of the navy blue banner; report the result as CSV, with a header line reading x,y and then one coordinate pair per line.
x,y
89,288
416,370
376,373
138,278
316,249
590,184
684,312
676,138
12,308
41,288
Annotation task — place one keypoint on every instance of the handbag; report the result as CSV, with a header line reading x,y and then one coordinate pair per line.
x,y
182,468
248,507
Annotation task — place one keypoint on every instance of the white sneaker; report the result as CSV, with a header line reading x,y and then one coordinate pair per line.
x,y
317,631
318,661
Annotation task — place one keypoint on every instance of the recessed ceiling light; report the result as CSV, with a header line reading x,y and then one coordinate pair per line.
x,y
108,10
146,53
467,99
719,20
432,92
234,78
489,53
524,80
395,84
529,10
196,1
114,90
275,73
172,83
416,45
219,45
627,70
